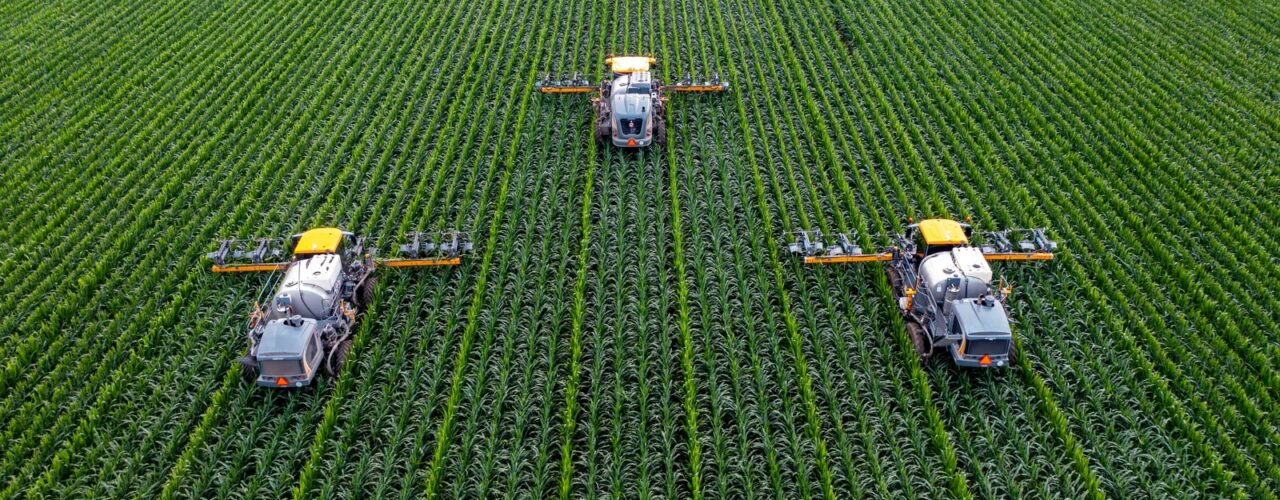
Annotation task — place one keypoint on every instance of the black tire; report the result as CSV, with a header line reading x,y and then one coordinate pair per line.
x,y
895,280
338,358
249,373
915,332
604,133
364,293
1013,353
660,130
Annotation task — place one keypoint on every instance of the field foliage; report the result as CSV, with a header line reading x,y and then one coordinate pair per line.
x,y
628,326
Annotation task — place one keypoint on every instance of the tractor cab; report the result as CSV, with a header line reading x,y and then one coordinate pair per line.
x,y
931,236
632,126
290,352
983,327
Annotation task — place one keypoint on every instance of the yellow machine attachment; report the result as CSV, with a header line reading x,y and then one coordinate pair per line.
x,y
629,64
698,88
249,268
943,232
1020,256
844,259
320,240
452,261
425,250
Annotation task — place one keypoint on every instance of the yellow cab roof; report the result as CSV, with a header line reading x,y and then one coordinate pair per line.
x,y
942,232
629,64
318,240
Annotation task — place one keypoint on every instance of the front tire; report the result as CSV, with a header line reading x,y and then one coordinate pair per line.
x,y
338,358
604,133
249,373
895,280
915,332
364,294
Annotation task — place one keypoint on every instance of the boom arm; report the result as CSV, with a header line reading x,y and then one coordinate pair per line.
x,y
566,85
688,84
251,253
1032,244
844,259
423,250
809,245
249,268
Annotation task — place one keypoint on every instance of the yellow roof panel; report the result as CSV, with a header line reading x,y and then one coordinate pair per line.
x,y
942,232
319,240
629,64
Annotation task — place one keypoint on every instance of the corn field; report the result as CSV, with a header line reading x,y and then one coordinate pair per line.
x,y
629,325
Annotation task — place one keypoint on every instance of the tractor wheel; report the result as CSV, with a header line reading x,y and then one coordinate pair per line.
x,y
660,130
364,294
249,373
604,133
338,358
1013,353
895,280
915,332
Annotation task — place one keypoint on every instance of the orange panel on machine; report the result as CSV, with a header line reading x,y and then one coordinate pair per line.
x,y
840,259
942,232
629,64
423,262
319,240
248,268
1020,256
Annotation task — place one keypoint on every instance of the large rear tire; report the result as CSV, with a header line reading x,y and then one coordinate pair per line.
x,y
915,332
249,373
364,294
895,280
604,133
338,358
660,130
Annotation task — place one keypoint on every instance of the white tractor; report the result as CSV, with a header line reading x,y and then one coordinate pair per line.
x,y
306,326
